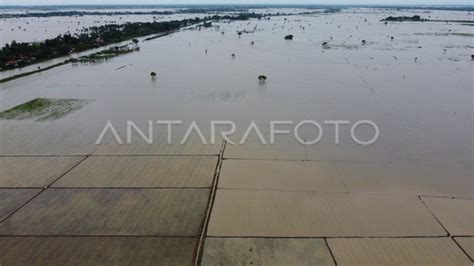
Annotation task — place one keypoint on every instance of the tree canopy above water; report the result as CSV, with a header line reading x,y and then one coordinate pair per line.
x,y
16,54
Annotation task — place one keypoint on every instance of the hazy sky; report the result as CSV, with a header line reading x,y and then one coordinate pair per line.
x,y
390,2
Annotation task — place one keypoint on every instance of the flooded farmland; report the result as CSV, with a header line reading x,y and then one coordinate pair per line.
x,y
416,86
414,80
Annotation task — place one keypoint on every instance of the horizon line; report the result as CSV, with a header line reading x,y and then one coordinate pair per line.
x,y
236,4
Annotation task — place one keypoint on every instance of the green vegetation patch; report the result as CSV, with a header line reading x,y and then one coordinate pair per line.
x,y
106,54
43,109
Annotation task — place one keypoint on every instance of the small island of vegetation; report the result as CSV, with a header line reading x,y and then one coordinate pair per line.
x,y
404,18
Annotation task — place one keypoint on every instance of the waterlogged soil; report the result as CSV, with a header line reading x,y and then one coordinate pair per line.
x,y
416,88
42,109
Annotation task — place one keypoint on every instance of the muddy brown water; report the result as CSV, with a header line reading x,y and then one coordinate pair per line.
x,y
423,108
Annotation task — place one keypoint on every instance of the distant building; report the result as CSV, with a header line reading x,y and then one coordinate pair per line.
x,y
11,63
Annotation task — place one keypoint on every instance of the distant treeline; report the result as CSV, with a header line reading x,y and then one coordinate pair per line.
x,y
417,18
210,8
83,13
17,54
427,7
120,13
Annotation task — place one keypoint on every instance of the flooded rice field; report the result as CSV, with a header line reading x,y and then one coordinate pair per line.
x,y
75,184
32,29
415,84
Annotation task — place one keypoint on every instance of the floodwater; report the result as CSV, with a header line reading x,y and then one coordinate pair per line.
x,y
417,87
34,29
